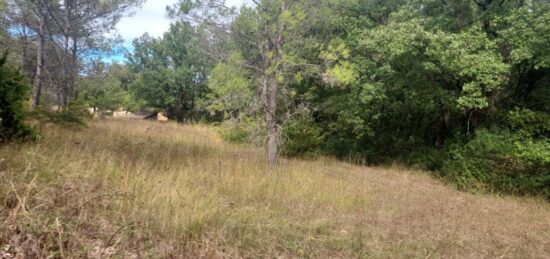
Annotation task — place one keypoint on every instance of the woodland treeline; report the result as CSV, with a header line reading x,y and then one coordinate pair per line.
x,y
461,87
52,41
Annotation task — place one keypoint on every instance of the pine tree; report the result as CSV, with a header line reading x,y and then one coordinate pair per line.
x,y
13,92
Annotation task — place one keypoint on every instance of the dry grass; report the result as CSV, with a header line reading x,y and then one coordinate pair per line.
x,y
146,189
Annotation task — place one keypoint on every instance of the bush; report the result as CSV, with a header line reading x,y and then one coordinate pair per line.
x,y
13,92
74,116
233,132
429,158
302,138
501,162
246,130
529,123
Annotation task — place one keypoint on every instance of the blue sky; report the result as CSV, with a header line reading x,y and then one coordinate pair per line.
x,y
150,18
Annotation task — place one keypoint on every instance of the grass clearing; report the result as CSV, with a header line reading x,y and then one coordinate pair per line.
x,y
124,188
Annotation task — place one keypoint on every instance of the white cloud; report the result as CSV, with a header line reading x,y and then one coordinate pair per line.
x,y
151,18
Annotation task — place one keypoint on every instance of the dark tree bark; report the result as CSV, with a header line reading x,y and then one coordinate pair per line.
x,y
443,128
272,54
39,54
74,68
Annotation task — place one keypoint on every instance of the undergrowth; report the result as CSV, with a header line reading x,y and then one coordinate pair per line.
x,y
122,189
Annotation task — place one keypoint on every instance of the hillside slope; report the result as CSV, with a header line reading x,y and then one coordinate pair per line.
x,y
124,188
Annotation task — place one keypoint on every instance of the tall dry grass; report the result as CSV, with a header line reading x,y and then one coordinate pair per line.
x,y
144,189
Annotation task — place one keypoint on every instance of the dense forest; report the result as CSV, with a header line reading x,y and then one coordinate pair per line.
x,y
461,88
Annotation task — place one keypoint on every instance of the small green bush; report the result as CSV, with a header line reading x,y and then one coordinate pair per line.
x,y
13,93
500,162
74,116
302,138
234,133
238,131
429,158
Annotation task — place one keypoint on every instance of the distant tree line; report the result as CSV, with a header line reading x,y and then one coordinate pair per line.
x,y
52,40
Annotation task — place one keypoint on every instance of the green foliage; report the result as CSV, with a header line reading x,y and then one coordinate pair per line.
x,y
472,59
239,131
526,33
427,158
13,94
230,90
458,87
417,78
500,162
105,88
530,123
233,132
303,138
75,115
170,72
66,118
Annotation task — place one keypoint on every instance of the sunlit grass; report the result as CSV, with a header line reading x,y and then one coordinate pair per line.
x,y
146,189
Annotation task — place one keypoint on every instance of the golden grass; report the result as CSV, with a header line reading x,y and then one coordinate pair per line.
x,y
145,189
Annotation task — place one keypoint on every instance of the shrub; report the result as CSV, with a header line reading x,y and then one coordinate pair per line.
x,y
233,132
74,116
429,158
246,130
529,123
13,92
302,138
501,162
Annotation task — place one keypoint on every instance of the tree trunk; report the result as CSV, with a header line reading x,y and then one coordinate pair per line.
x,y
180,108
63,89
443,128
25,50
39,57
74,68
272,55
271,122
269,96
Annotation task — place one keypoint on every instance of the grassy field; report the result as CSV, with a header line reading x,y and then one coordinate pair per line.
x,y
136,189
